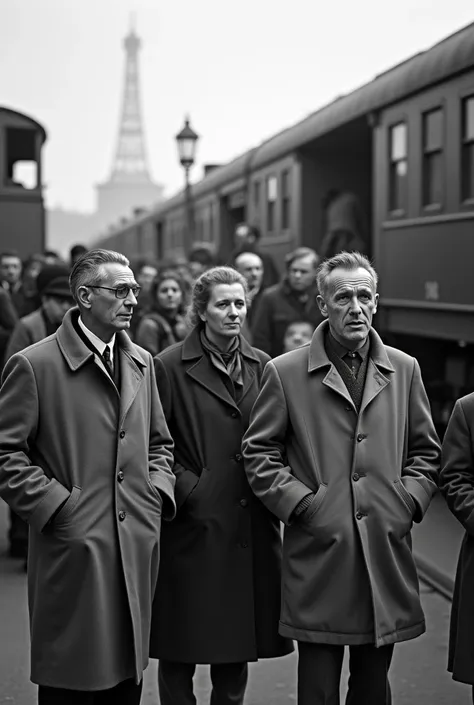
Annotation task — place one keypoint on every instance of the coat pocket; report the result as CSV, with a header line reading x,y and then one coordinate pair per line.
x,y
155,492
315,504
65,514
405,496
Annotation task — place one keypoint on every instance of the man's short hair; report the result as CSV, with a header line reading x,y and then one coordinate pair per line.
x,y
88,269
245,253
10,253
299,253
343,260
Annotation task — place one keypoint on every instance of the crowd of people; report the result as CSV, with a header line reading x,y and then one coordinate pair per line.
x,y
162,423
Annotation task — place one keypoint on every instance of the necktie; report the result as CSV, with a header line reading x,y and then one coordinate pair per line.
x,y
353,361
108,361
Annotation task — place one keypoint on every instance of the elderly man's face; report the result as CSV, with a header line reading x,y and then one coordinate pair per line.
x,y
349,303
251,267
105,311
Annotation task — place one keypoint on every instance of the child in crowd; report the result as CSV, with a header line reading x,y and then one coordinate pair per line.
x,y
297,334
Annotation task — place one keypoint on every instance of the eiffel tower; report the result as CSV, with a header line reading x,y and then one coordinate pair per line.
x,y
129,186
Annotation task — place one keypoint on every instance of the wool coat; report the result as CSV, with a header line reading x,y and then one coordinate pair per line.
x,y
457,485
218,595
348,571
66,435
29,329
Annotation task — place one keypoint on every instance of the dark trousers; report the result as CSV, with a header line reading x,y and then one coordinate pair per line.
x,y
175,683
319,674
125,693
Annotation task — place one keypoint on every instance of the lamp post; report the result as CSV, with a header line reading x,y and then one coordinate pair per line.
x,y
187,140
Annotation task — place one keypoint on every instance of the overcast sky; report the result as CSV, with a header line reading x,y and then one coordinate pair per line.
x,y
242,70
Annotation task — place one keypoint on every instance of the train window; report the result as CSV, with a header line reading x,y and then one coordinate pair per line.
x,y
433,157
468,149
256,194
285,199
398,167
272,195
21,166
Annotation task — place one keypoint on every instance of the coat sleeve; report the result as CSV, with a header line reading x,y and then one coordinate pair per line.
x,y
186,480
160,453
263,447
19,340
262,325
8,315
456,479
24,486
420,472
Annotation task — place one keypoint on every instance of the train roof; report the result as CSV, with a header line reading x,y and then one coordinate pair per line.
x,y
22,118
449,57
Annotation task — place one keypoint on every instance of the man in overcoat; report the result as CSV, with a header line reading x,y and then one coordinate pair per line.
x,y
457,485
85,459
341,447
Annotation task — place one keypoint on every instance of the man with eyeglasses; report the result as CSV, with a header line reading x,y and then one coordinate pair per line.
x,y
85,459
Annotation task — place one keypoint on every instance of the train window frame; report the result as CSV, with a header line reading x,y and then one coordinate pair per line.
x,y
469,199
393,164
21,150
271,201
285,202
427,154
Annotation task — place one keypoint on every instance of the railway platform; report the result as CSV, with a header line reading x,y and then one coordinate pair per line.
x,y
419,675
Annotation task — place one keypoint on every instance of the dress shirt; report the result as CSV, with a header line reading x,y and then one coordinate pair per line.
x,y
97,342
352,358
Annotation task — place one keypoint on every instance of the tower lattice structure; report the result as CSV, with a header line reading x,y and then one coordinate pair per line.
x,y
130,186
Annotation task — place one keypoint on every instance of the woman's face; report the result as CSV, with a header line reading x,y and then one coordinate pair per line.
x,y
169,295
225,313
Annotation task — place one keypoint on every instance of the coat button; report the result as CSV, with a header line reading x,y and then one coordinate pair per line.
x,y
122,434
348,408
244,544
356,476
234,414
360,437
122,515
243,503
120,476
359,516
238,457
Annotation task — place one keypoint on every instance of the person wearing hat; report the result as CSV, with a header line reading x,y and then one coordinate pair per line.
x,y
56,299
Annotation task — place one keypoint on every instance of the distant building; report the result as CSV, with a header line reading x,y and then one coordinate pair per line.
x,y
129,188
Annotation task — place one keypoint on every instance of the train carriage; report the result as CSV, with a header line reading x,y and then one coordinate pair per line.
x,y
22,212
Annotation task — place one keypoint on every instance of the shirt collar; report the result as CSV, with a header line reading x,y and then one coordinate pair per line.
x,y
342,351
97,342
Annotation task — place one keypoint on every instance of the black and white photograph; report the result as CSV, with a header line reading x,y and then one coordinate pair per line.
x,y
236,352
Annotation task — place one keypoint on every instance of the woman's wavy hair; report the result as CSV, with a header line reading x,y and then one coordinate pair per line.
x,y
155,285
203,286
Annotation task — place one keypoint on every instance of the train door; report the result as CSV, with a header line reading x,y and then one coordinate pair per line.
x,y
232,211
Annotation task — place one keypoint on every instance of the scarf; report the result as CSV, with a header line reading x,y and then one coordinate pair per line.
x,y
229,362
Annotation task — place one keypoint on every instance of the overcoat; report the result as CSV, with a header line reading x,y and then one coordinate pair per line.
x,y
218,595
457,485
348,571
66,434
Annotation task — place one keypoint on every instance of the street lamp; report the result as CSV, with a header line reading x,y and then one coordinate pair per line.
x,y
187,140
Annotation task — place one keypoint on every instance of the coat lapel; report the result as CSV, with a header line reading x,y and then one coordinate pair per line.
x,y
201,370
375,380
204,374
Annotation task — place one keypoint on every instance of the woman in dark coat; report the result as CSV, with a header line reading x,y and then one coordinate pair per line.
x,y
218,595
456,482
163,324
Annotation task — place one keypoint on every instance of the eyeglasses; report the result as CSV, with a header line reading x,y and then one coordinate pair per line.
x,y
121,292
